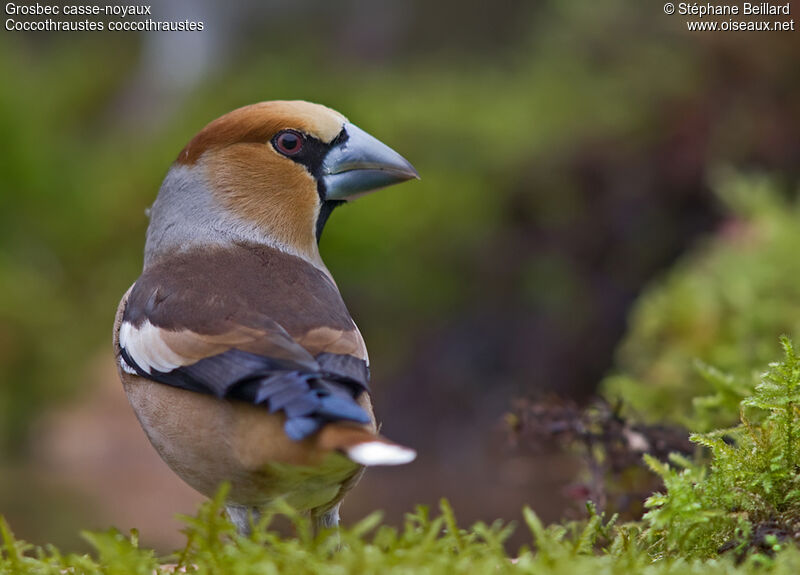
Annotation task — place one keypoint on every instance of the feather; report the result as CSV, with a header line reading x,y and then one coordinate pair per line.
x,y
301,427
293,390
269,387
336,408
346,366
304,405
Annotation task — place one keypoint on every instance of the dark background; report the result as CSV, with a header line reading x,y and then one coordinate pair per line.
x,y
566,149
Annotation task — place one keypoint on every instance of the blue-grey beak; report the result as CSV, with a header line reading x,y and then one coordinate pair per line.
x,y
361,164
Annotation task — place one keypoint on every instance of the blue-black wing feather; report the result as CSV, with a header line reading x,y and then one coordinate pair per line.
x,y
309,399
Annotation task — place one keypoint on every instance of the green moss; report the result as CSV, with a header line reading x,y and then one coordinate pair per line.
x,y
751,489
425,544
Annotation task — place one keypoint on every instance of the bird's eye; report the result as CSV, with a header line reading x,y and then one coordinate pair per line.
x,y
288,142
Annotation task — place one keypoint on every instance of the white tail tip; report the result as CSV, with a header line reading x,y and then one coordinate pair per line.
x,y
380,453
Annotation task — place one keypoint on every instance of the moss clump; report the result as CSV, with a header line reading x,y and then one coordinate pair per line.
x,y
425,544
748,498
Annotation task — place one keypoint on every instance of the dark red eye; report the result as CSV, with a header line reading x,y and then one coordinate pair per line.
x,y
288,142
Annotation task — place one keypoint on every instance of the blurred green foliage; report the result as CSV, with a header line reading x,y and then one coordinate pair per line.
x,y
76,176
64,199
699,336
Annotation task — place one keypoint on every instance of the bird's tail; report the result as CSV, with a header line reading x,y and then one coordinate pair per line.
x,y
364,447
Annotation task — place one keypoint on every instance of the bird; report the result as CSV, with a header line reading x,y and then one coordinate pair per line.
x,y
234,346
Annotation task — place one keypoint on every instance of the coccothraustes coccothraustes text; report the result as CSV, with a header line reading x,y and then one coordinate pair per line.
x,y
234,346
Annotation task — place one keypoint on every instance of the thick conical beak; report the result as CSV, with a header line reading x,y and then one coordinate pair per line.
x,y
361,164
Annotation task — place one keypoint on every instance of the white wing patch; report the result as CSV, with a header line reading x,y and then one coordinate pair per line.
x,y
147,349
126,367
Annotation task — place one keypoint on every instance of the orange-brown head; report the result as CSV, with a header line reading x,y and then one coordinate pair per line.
x,y
270,172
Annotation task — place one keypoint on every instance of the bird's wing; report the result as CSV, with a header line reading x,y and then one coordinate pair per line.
x,y
193,324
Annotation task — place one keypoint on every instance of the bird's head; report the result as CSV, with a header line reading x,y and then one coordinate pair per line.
x,y
274,170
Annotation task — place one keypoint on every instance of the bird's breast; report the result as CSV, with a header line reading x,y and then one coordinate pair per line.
x,y
207,441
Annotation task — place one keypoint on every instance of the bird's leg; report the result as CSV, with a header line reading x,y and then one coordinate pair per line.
x,y
327,519
243,518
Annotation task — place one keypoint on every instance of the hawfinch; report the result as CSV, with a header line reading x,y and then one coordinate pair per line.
x,y
234,346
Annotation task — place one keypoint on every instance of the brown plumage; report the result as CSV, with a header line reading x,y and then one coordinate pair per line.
x,y
234,346
257,123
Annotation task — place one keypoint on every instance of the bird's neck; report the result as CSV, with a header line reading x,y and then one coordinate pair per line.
x,y
186,215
